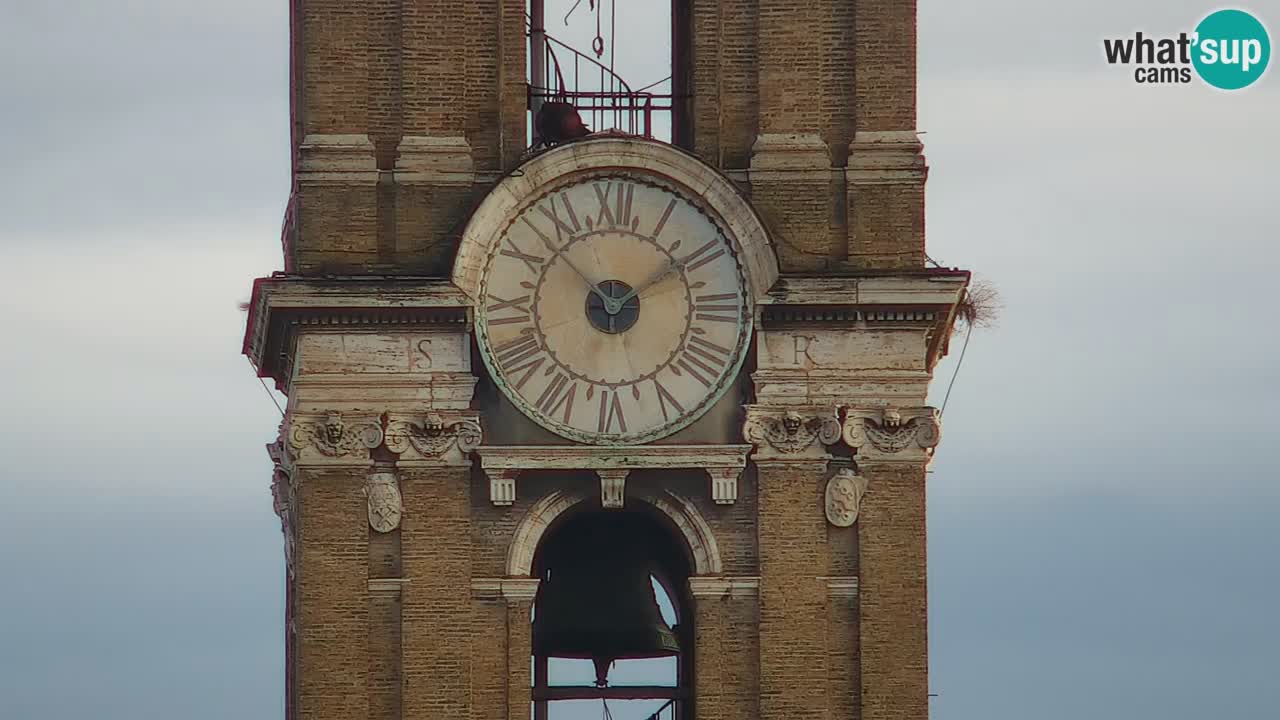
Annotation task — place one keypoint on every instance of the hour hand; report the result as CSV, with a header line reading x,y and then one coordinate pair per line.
x,y
613,306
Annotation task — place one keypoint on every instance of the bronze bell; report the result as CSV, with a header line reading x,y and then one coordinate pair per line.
x,y
596,601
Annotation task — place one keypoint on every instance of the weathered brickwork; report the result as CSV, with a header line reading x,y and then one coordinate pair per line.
x,y
793,627
333,597
436,534
892,595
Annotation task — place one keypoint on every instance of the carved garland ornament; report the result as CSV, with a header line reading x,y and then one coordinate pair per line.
x,y
434,436
844,497
334,438
889,435
791,433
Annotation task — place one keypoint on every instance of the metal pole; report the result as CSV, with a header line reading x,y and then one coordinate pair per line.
x,y
537,56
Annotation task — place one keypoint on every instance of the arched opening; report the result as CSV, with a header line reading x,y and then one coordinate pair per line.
x,y
612,623
619,64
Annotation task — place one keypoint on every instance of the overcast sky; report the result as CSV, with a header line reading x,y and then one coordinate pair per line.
x,y
1103,529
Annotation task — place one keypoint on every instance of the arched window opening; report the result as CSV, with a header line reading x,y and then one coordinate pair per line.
x,y
611,629
607,65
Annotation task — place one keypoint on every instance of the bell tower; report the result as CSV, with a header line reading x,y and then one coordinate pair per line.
x,y
604,394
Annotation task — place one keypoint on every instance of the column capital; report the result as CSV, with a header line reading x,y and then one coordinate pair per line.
x,y
787,433
892,435
332,438
444,438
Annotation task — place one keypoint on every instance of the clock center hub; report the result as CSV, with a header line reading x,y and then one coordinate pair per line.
x,y
612,307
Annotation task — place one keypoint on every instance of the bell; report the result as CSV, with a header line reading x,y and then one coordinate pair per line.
x,y
596,602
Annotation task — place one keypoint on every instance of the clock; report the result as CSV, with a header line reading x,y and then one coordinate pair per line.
x,y
613,307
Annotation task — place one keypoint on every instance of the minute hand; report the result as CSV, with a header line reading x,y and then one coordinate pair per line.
x,y
675,266
560,252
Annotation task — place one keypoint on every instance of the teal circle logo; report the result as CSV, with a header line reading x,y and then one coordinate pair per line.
x,y
1232,49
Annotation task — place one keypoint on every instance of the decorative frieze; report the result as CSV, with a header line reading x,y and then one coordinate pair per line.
x,y
723,464
790,434
433,438
333,438
385,506
843,497
891,434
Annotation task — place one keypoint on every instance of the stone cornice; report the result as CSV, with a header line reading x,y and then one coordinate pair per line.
x,y
281,304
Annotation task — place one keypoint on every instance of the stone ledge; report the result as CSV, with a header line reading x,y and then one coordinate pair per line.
x,y
423,160
724,586
337,160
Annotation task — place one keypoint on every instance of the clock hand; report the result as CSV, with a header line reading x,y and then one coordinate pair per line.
x,y
560,252
613,306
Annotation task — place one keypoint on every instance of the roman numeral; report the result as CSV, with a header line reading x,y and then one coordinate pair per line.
x,y
690,258
662,221
703,359
714,308
615,207
664,397
518,305
515,351
610,410
529,260
554,396
562,228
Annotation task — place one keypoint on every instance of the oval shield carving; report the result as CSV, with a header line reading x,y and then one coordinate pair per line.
x,y
844,495
384,502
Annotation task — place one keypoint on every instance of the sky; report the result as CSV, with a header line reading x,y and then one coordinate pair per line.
x,y
1102,508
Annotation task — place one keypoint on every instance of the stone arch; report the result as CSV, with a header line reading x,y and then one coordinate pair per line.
x,y
693,528
740,220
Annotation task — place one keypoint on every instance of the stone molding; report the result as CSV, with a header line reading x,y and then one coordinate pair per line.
x,y
684,514
887,434
780,433
385,506
333,439
843,497
790,156
502,465
387,585
841,586
886,157
433,439
513,590
724,586
337,160
424,160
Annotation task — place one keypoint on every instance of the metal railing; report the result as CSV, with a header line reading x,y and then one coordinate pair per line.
x,y
603,99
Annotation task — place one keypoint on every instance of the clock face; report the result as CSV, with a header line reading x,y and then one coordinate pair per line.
x,y
613,309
